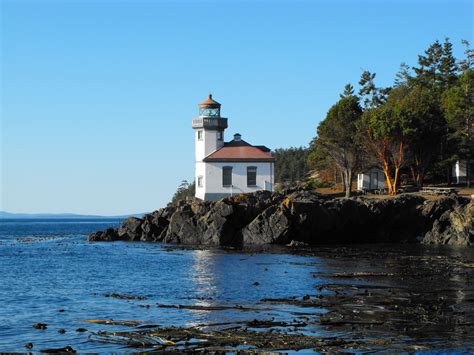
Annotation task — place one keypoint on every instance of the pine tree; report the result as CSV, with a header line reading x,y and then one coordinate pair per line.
x,y
348,91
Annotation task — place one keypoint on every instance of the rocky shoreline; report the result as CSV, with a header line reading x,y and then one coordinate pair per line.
x,y
301,218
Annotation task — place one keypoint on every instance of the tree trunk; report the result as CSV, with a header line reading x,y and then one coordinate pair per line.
x,y
397,162
413,174
417,172
348,182
395,182
387,176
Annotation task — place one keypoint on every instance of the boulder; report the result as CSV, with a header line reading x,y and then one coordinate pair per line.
x,y
153,228
454,227
182,226
130,229
109,235
272,226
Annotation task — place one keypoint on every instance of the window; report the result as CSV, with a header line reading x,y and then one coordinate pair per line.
x,y
251,176
200,181
227,176
219,136
199,135
209,112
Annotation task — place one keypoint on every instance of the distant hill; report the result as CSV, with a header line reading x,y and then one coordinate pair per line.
x,y
5,215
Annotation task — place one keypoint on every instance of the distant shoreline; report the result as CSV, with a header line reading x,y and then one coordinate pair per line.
x,y
8,215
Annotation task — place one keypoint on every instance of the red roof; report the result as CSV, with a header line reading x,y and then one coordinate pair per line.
x,y
243,153
209,102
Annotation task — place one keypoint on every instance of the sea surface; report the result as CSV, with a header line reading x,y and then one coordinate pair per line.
x,y
50,273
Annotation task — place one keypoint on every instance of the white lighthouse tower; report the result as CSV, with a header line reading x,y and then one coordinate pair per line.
x,y
224,169
209,136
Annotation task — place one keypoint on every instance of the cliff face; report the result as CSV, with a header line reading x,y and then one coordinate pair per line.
x,y
302,217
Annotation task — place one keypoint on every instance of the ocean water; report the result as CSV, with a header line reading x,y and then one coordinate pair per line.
x,y
50,273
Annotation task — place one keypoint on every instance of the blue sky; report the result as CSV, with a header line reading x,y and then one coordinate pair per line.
x,y
97,97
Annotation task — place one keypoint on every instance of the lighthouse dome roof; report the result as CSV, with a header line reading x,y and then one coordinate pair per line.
x,y
210,103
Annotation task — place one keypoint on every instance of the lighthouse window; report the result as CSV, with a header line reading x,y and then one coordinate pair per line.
x,y
227,176
200,179
199,135
251,176
209,112
219,136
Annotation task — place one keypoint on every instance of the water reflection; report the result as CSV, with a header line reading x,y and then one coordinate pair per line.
x,y
233,280
204,284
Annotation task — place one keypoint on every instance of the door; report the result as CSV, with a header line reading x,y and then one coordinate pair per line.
x,y
374,177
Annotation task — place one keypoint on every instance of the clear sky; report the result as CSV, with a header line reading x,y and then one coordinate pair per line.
x,y
97,97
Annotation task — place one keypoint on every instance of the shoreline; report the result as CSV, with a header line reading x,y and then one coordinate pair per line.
x,y
302,218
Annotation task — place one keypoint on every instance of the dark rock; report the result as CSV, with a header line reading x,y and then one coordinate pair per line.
x,y
124,297
81,330
130,229
29,345
272,226
61,331
299,218
297,244
182,226
109,235
153,228
66,349
454,227
40,326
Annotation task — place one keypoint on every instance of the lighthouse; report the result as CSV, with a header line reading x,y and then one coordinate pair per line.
x,y
227,168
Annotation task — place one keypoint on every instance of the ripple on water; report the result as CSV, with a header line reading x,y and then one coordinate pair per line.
x,y
48,267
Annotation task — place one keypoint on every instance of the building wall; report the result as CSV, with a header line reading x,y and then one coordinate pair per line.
x,y
208,144
372,179
200,171
212,173
460,171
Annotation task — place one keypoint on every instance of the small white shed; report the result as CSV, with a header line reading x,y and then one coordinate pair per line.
x,y
371,179
460,171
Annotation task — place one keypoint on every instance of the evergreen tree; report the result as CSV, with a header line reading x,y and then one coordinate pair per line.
x,y
437,68
371,95
467,63
185,190
290,164
348,91
337,138
448,67
424,127
458,106
428,70
403,77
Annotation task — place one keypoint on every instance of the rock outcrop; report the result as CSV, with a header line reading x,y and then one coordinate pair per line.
x,y
454,226
302,218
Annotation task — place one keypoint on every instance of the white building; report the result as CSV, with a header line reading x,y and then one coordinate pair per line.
x,y
227,168
371,179
460,171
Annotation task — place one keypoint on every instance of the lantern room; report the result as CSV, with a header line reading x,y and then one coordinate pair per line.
x,y
209,108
